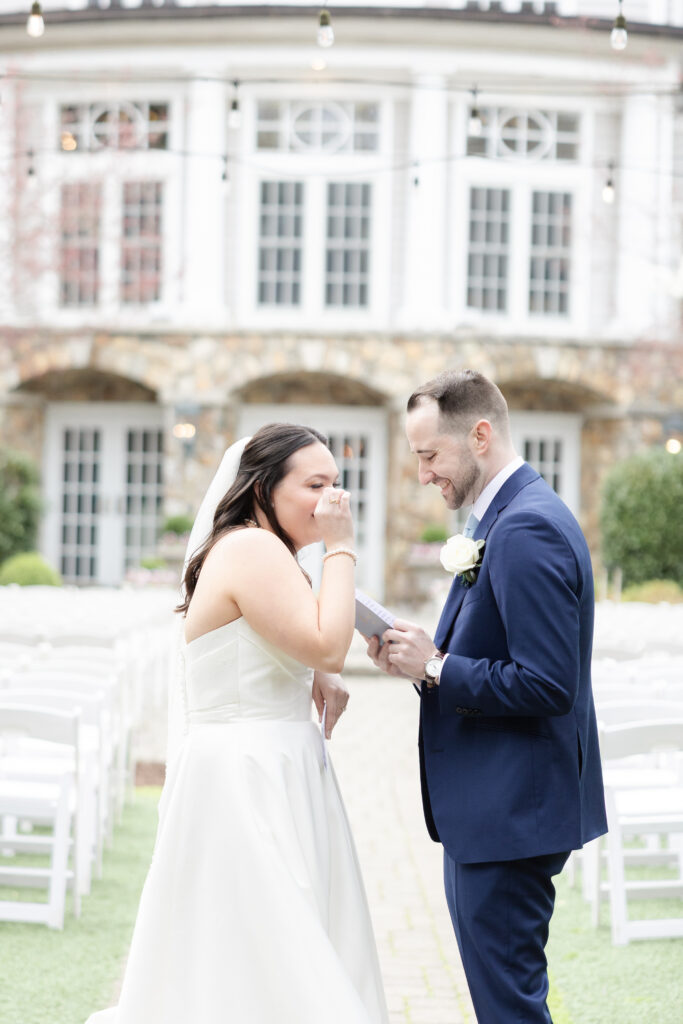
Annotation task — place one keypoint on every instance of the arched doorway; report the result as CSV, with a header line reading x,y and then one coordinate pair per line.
x,y
102,473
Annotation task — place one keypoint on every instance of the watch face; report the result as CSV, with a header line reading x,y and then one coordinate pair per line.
x,y
433,667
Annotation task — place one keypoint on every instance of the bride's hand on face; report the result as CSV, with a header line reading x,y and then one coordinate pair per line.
x,y
333,517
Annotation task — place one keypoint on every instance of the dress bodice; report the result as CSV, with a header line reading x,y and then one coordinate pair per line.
x,y
232,674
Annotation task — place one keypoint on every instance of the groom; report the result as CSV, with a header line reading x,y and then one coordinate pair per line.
x,y
509,759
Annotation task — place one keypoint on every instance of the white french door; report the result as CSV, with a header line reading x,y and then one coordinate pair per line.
x,y
103,484
358,440
551,443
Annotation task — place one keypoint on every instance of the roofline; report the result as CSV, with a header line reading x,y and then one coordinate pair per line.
x,y
493,16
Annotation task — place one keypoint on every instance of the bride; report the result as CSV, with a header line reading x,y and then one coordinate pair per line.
x,y
254,911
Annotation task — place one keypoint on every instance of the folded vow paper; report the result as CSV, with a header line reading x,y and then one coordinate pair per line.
x,y
372,618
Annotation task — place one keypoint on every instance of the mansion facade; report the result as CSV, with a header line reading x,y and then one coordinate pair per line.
x,y
210,222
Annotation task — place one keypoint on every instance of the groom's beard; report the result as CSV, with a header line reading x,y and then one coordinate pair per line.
x,y
461,489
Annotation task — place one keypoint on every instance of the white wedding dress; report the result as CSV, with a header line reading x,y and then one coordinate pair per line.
x,y
254,910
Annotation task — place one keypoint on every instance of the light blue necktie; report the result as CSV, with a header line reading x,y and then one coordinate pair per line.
x,y
471,525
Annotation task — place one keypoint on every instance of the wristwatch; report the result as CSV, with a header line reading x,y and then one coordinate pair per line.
x,y
432,670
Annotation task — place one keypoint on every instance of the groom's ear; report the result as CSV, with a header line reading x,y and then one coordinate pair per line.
x,y
481,435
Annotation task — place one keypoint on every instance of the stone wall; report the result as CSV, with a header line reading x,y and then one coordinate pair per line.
x,y
623,393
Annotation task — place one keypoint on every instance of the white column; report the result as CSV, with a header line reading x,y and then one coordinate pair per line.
x,y
639,217
202,253
426,253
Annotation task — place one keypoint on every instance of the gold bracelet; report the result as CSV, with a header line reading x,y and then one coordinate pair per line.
x,y
341,551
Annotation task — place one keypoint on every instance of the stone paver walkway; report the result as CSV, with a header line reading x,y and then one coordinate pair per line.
x,y
374,750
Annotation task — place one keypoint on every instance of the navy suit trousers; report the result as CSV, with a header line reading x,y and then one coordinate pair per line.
x,y
501,913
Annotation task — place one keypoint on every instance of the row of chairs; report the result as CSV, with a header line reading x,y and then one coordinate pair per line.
x,y
70,703
639,705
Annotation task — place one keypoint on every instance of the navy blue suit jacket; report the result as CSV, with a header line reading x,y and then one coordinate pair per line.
x,y
508,741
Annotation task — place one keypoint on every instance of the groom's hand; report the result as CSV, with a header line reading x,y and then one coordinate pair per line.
x,y
408,647
404,651
330,688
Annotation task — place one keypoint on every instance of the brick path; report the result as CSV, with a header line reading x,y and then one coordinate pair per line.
x,y
374,750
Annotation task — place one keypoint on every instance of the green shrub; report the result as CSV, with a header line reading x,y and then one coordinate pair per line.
x,y
20,504
434,533
29,569
654,591
641,521
153,562
177,524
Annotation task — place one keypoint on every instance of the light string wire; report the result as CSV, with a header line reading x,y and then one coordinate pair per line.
x,y
601,90
372,169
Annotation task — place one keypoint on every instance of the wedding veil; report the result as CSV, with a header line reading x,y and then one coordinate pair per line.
x,y
203,524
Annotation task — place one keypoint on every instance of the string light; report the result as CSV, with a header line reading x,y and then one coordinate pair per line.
x,y
225,176
235,115
318,63
608,191
325,30
184,431
475,125
673,446
619,36
35,26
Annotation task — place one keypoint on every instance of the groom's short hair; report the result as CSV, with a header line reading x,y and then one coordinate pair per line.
x,y
463,397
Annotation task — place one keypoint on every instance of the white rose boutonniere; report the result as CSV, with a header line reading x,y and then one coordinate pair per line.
x,y
463,557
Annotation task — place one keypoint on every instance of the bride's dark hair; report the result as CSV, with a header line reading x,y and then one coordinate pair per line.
x,y
264,462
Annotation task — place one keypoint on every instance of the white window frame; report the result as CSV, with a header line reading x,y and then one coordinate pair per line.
x,y
113,167
523,178
315,171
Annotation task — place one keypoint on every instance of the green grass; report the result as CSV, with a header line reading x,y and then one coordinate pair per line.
x,y
52,977
61,977
594,982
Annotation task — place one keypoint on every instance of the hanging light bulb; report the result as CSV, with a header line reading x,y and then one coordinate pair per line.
x,y
325,30
235,115
475,125
608,191
35,26
619,36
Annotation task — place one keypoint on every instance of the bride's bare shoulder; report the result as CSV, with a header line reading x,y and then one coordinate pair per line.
x,y
248,541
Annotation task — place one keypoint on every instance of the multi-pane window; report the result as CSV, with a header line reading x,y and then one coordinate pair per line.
x,y
79,244
526,134
317,127
280,259
347,259
141,242
113,125
144,492
547,458
79,525
488,253
550,257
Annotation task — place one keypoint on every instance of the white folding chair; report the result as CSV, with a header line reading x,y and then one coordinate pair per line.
x,y
94,678
95,781
99,663
37,802
633,810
